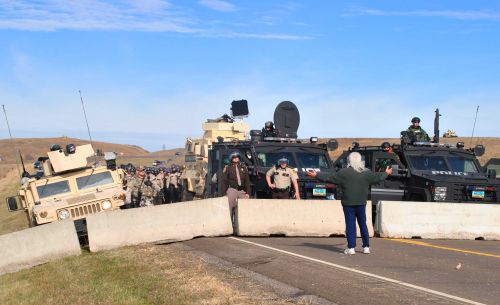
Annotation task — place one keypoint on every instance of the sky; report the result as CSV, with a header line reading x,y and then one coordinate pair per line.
x,y
152,71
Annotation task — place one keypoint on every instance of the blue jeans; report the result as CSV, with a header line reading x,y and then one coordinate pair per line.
x,y
351,213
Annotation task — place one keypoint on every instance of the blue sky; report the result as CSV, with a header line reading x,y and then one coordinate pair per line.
x,y
152,71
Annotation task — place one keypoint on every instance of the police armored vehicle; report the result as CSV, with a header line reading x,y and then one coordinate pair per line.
x,y
428,171
68,186
259,153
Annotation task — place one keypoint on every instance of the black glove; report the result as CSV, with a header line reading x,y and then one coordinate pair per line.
x,y
148,183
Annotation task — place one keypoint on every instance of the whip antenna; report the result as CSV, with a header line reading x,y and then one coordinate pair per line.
x,y
85,115
474,127
11,139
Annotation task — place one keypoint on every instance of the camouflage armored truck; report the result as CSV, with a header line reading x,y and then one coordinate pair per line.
x,y
69,188
258,153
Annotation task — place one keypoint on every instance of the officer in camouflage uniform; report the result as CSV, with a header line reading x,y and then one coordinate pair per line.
x,y
174,186
149,192
128,182
158,185
284,176
235,182
166,184
417,133
142,189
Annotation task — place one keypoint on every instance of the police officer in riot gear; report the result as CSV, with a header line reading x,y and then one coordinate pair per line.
x,y
268,131
417,133
284,176
381,164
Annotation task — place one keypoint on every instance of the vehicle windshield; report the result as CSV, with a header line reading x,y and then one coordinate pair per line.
x,y
312,160
429,163
270,159
53,189
94,180
460,164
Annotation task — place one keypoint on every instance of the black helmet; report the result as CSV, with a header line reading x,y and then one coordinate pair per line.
x,y
415,120
269,124
385,145
234,154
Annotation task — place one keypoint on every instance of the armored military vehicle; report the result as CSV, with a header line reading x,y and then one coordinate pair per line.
x,y
69,188
450,134
428,171
205,161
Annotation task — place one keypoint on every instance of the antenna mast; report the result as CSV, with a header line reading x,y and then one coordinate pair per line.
x,y
474,127
86,121
11,139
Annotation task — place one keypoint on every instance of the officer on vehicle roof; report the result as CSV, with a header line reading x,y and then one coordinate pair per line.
x,y
417,133
235,181
268,131
283,177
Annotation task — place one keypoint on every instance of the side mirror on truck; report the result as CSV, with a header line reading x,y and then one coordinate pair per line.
x,y
14,204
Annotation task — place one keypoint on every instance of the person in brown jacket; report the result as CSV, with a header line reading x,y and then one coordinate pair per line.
x,y
235,181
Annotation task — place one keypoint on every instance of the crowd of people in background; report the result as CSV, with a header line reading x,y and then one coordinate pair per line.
x,y
152,186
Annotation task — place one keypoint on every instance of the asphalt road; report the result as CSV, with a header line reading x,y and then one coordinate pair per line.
x,y
397,271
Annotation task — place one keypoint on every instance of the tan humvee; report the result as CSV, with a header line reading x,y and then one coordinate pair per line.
x,y
70,188
450,134
196,153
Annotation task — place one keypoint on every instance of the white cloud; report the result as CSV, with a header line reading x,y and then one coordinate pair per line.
x,y
218,5
451,14
123,15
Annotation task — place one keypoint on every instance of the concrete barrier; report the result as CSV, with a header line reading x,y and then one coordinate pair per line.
x,y
264,217
38,245
438,220
163,223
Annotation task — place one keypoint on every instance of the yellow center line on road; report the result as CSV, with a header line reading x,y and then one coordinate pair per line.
x,y
424,244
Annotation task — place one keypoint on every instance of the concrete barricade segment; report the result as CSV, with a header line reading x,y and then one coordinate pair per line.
x,y
264,217
38,245
163,223
438,220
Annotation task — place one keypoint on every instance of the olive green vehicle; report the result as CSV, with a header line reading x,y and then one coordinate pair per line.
x,y
67,187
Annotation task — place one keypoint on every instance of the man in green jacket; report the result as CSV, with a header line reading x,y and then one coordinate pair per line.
x,y
355,182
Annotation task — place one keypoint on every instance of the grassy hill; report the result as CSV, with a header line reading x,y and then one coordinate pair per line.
x,y
32,148
492,145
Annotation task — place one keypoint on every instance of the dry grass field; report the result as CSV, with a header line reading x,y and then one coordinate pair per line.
x,y
10,221
148,274
32,148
